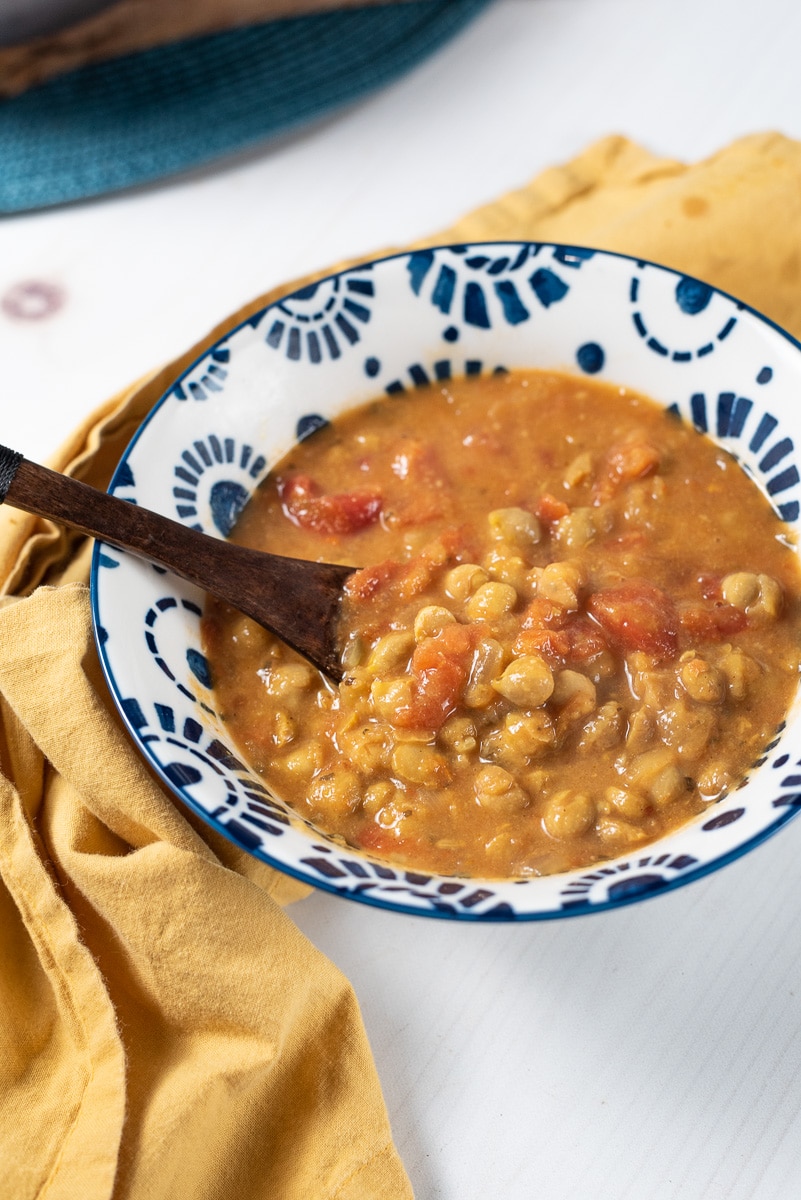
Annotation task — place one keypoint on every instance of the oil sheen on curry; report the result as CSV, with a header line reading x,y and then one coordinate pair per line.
x,y
576,626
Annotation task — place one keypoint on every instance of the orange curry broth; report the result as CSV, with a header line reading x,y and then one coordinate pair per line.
x,y
577,625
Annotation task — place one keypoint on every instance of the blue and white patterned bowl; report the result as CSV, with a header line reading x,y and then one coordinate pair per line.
x,y
386,327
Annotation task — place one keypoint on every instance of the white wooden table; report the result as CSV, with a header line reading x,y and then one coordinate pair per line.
x,y
648,1054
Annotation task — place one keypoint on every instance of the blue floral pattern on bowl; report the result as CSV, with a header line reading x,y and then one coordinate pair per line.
x,y
402,322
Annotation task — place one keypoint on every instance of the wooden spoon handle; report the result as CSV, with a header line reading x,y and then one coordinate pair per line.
x,y
295,599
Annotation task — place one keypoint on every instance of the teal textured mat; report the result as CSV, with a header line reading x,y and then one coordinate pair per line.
x,y
146,116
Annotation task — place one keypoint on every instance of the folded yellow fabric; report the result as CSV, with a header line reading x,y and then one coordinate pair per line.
x,y
166,1031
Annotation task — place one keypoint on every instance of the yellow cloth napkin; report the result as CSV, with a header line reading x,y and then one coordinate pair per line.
x,y
165,1030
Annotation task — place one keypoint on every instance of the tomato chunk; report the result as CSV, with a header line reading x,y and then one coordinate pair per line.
x,y
586,640
552,644
363,585
441,666
637,615
713,622
560,636
542,630
550,510
344,512
629,460
540,612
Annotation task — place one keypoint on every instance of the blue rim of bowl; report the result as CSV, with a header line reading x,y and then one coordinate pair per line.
x,y
577,910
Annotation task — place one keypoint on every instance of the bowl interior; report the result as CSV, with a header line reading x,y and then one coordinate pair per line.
x,y
384,328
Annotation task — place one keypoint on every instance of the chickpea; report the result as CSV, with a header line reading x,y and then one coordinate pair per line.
x,y
420,764
490,601
430,620
256,638
286,679
757,595
495,746
637,666
579,470
516,526
390,695
771,597
531,733
569,814
283,728
462,581
604,517
638,501
740,589
657,773
574,694
365,745
531,582
487,664
501,848
527,681
642,730
561,583
304,761
702,682
535,781
714,781
459,735
496,790
653,687
507,568
686,729
377,795
740,671
356,684
667,785
605,729
390,651
353,652
613,829
336,793
522,737
628,803
392,814
577,529
571,684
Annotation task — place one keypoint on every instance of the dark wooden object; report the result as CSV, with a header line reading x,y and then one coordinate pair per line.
x,y
297,600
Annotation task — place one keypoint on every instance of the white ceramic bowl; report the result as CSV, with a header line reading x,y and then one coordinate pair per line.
x,y
385,327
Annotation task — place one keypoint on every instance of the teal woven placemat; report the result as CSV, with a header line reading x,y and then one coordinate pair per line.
x,y
140,118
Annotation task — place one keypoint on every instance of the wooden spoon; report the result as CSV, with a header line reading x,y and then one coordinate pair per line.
x,y
297,600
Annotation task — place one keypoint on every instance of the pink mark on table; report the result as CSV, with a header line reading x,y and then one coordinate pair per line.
x,y
32,300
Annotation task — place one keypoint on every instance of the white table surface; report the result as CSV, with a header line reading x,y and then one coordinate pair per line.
x,y
649,1054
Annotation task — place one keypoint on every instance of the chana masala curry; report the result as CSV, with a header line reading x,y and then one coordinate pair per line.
x,y
576,626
